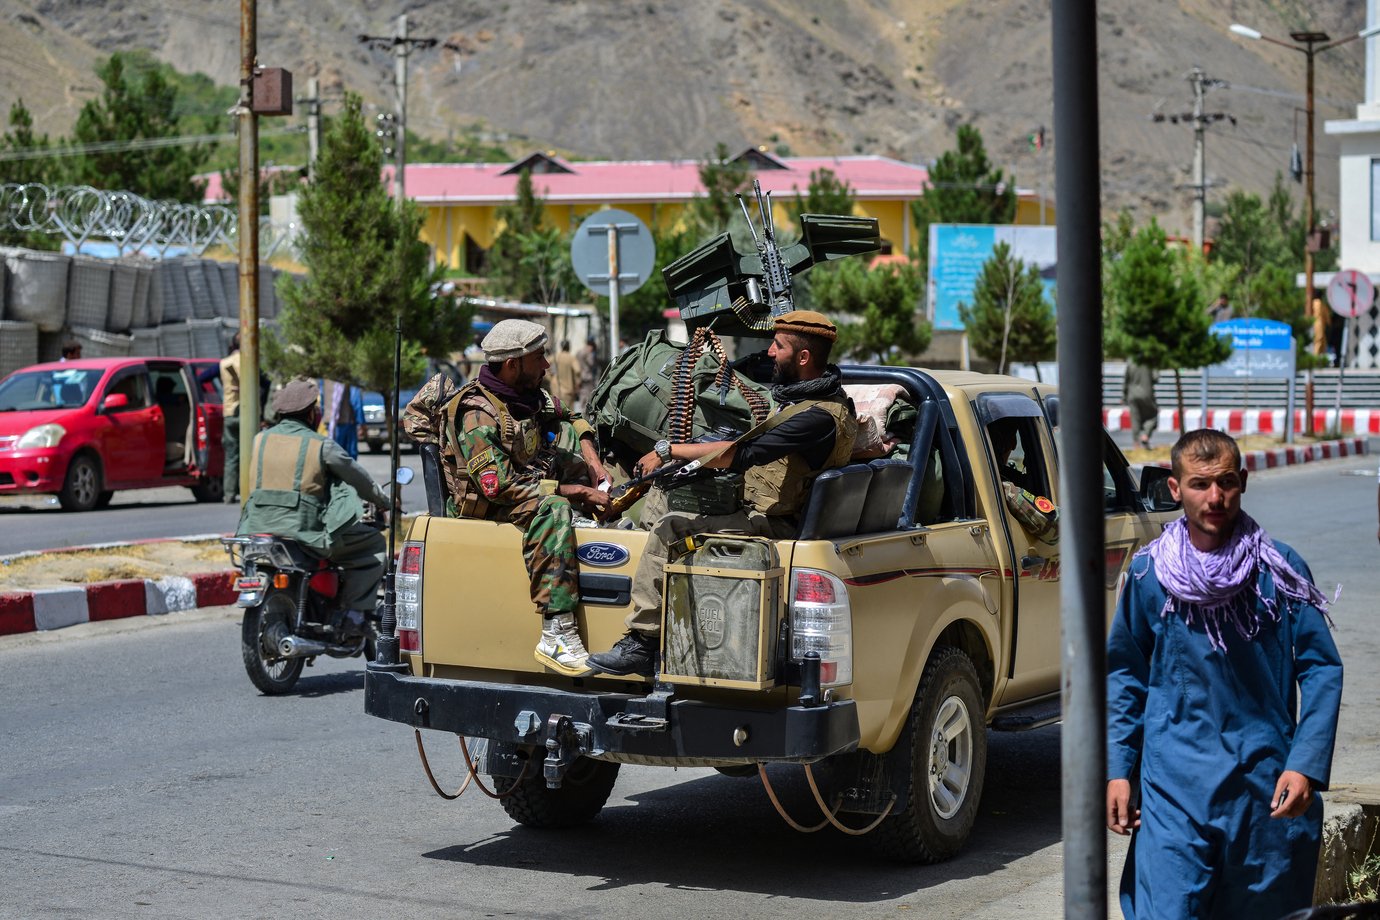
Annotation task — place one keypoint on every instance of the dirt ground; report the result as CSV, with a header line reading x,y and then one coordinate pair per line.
x,y
143,560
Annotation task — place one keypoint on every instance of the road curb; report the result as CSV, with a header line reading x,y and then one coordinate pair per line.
x,y
1252,421
46,609
1254,460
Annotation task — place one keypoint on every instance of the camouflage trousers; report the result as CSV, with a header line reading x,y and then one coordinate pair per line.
x,y
548,550
670,527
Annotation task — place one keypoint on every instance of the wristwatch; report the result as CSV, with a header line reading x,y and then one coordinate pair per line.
x,y
663,450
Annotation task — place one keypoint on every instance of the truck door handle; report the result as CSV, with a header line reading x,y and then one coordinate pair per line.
x,y
1032,563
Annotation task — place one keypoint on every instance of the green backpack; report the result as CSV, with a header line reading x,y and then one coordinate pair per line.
x,y
658,389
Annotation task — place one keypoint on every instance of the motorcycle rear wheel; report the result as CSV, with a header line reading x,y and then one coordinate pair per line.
x,y
262,628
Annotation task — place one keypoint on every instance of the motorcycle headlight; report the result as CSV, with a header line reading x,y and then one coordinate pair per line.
x,y
42,436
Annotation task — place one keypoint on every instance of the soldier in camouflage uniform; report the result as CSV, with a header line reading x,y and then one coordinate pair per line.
x,y
511,453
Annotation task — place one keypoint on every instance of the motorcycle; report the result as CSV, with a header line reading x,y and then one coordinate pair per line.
x,y
291,615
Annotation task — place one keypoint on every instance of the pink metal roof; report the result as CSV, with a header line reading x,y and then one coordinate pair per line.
x,y
869,177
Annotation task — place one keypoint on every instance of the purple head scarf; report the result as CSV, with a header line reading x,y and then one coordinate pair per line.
x,y
1220,587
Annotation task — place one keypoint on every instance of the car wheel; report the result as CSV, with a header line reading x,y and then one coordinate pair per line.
x,y
104,498
210,489
81,490
947,761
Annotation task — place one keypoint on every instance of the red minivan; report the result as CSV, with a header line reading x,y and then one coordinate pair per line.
x,y
84,429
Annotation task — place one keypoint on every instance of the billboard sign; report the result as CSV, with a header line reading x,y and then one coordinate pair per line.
x,y
957,254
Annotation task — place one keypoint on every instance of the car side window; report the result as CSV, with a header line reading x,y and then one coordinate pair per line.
x,y
1020,458
134,385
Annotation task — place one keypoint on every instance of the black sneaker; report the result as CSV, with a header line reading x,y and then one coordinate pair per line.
x,y
632,654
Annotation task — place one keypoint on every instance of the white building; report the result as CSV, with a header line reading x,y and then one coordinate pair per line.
x,y
1359,212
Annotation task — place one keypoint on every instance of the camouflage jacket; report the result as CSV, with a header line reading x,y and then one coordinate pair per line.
x,y
490,458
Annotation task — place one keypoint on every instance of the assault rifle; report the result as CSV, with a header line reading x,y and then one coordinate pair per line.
x,y
624,495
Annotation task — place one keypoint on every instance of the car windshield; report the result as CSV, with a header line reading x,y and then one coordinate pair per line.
x,y
59,388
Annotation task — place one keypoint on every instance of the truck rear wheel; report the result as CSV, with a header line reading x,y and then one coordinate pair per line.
x,y
582,795
947,762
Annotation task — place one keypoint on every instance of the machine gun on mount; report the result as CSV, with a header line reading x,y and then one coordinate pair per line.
x,y
741,293
658,389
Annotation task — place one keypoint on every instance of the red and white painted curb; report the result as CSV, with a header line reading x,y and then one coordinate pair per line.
x,y
1254,421
1254,460
55,608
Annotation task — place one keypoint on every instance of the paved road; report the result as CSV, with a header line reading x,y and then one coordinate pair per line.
x,y
36,522
141,776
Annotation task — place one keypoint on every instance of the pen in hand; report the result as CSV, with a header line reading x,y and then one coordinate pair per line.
x,y
1283,794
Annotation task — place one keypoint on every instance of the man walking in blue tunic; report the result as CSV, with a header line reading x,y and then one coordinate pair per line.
x,y
1220,638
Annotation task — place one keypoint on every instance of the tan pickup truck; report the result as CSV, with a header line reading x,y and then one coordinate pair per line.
x,y
913,612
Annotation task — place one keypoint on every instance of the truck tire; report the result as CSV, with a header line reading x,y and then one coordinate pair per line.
x,y
582,795
947,762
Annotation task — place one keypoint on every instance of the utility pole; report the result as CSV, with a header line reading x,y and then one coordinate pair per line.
x,y
313,102
1200,120
402,45
248,241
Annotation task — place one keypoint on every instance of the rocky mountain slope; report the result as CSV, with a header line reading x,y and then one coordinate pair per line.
x,y
625,79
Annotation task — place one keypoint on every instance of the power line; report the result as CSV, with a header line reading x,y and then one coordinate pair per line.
x,y
125,146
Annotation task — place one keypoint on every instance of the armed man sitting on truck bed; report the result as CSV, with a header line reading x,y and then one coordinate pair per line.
x,y
812,431
510,453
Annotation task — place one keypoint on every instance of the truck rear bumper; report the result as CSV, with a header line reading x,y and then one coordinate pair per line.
x,y
653,727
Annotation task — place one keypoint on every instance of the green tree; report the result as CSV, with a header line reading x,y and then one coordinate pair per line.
x,y
963,188
640,311
135,108
722,178
34,167
366,267
875,307
529,262
1159,320
826,194
1010,319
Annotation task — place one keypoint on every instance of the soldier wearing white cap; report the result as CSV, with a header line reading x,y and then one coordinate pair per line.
x,y
513,453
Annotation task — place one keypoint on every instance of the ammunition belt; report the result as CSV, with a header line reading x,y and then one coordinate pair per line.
x,y
680,420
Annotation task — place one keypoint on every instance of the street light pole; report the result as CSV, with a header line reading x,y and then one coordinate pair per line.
x,y
1309,44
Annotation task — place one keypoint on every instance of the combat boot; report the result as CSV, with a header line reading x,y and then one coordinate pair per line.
x,y
635,653
560,647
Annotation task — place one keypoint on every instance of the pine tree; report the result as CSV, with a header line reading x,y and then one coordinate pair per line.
x,y
722,178
130,108
39,169
875,308
963,188
1010,321
826,194
365,268
529,262
1159,318
641,311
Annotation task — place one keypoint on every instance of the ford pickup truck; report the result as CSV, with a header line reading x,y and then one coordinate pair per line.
x,y
914,611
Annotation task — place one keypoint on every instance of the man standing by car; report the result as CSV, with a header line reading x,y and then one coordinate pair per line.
x,y
812,431
230,434
307,488
516,453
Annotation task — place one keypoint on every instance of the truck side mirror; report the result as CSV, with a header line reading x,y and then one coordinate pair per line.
x,y
1154,490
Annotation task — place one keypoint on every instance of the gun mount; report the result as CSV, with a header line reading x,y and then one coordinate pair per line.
x,y
741,293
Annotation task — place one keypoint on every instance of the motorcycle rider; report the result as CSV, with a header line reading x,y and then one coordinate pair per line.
x,y
306,488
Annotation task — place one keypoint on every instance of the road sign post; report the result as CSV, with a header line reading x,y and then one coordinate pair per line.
x,y
613,253
1350,294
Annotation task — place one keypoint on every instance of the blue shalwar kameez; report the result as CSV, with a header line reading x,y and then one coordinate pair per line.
x,y
1209,730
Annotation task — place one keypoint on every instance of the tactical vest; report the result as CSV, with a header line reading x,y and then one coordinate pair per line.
x,y
291,489
779,487
519,439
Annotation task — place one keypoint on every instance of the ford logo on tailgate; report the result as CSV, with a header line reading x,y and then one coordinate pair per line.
x,y
605,555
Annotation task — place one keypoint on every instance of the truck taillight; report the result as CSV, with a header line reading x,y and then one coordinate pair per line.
x,y
407,587
822,621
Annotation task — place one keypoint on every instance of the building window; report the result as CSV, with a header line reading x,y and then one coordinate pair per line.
x,y
1375,199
